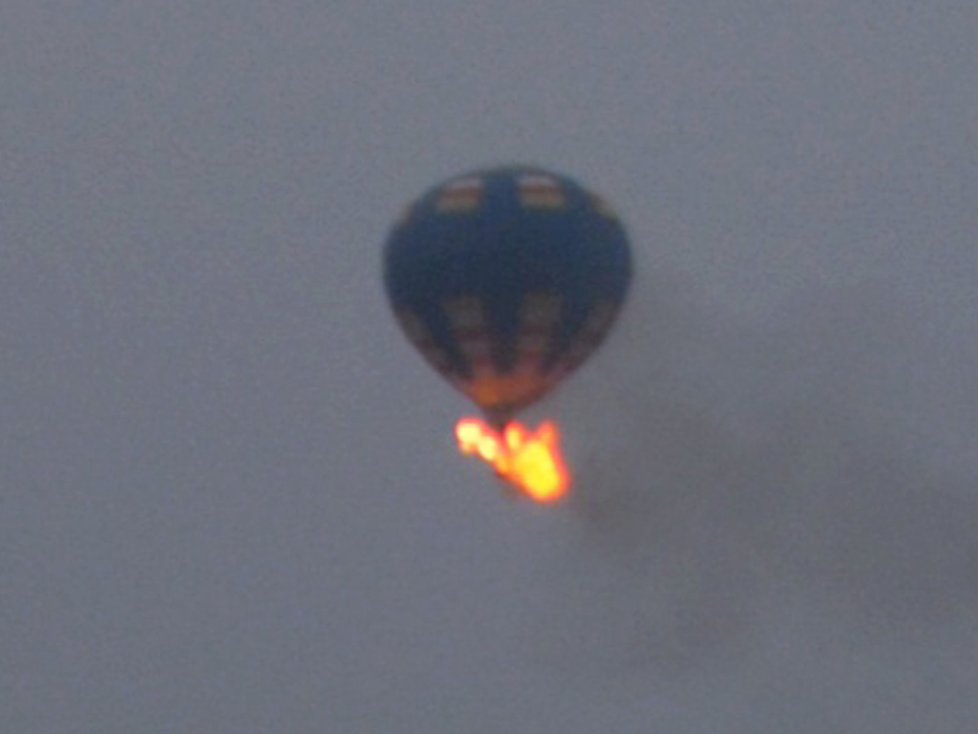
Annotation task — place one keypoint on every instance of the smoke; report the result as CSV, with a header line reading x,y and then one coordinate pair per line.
x,y
775,520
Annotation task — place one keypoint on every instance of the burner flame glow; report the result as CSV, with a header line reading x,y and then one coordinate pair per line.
x,y
531,462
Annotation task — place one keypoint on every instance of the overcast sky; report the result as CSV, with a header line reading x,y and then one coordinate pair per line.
x,y
229,500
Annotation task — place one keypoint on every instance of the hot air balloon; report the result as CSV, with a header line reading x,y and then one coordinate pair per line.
x,y
506,280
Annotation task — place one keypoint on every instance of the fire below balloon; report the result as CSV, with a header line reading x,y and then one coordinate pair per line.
x,y
532,462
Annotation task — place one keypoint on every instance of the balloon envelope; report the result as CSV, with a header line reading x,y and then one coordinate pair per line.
x,y
506,280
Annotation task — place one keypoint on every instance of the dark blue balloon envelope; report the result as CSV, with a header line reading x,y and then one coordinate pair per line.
x,y
506,280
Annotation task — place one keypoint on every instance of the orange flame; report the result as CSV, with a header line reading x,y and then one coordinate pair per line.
x,y
531,462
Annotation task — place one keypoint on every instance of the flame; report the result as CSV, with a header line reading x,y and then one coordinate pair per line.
x,y
532,462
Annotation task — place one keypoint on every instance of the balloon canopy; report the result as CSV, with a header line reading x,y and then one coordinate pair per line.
x,y
506,280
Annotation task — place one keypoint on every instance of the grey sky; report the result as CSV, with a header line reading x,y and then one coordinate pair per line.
x,y
228,496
